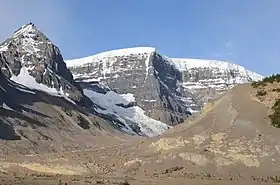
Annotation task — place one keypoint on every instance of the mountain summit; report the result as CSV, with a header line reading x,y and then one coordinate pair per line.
x,y
28,54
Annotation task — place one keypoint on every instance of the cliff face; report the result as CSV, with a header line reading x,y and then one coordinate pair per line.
x,y
207,79
153,80
168,89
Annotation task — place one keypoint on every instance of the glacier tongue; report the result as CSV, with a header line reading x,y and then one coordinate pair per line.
x,y
130,114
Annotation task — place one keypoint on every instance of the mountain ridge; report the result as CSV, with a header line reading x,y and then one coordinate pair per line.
x,y
190,62
205,79
142,71
30,59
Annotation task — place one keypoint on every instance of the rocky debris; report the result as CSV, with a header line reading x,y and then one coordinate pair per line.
x,y
172,169
231,135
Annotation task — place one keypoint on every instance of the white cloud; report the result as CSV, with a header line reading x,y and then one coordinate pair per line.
x,y
50,16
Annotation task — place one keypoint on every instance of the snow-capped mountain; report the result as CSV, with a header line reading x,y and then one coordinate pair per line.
x,y
136,90
31,59
121,69
152,78
209,78
33,64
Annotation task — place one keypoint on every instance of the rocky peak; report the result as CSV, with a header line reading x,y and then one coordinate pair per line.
x,y
28,49
27,30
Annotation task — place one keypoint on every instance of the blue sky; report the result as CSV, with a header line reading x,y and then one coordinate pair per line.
x,y
245,32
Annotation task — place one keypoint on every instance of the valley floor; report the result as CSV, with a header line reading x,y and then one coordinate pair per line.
x,y
106,165
231,142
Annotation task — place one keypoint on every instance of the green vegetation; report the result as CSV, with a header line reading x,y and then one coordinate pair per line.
x,y
276,90
261,93
275,117
270,79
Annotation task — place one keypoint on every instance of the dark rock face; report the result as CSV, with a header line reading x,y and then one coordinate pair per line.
x,y
153,79
30,48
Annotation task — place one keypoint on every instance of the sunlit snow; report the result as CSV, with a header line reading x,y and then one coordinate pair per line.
x,y
109,101
25,79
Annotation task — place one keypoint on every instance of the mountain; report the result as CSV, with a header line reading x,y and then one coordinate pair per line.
x,y
88,128
42,108
31,61
34,121
189,82
153,80
208,79
29,55
230,141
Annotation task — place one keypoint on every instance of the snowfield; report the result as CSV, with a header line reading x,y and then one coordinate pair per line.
x,y
185,64
25,79
133,114
109,54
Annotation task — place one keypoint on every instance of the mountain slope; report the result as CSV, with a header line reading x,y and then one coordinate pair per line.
x,y
230,142
33,121
124,108
42,108
231,139
151,78
202,80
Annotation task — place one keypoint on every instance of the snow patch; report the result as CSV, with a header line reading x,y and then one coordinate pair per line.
x,y
110,54
25,79
150,100
185,64
4,48
25,29
5,106
148,126
147,62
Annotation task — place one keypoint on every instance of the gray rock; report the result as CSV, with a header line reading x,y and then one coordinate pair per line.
x,y
29,50
208,79
28,47
152,78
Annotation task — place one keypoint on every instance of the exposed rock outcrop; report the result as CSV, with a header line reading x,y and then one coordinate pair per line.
x,y
28,49
151,77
